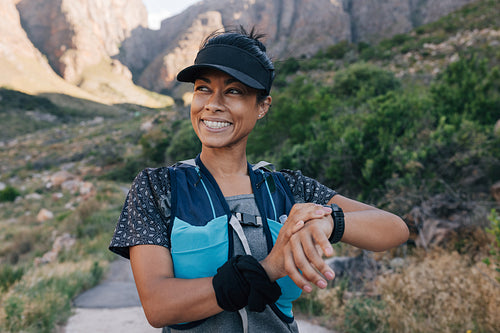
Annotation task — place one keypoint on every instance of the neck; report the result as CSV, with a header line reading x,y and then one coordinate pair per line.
x,y
224,163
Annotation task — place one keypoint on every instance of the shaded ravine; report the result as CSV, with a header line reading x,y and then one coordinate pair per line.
x,y
113,306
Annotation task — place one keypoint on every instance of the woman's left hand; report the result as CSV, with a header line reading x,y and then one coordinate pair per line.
x,y
295,252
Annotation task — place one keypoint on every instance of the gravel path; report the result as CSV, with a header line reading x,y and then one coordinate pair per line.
x,y
114,307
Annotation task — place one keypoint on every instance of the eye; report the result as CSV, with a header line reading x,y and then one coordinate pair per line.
x,y
234,91
201,88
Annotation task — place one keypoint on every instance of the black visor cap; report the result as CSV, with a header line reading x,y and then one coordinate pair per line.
x,y
233,61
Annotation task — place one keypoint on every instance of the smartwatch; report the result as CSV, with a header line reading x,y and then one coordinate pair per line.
x,y
338,224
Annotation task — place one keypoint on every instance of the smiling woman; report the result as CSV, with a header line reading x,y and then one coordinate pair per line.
x,y
218,244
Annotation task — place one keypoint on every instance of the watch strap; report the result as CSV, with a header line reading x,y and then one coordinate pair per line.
x,y
338,224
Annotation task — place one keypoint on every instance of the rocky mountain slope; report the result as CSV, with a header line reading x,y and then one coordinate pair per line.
x,y
21,63
76,40
293,27
102,46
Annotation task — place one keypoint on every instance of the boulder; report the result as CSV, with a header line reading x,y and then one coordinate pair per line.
x,y
358,270
44,215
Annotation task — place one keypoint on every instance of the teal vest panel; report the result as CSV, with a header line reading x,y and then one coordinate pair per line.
x,y
200,233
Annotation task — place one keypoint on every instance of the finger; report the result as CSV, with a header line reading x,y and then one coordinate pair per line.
x,y
294,273
304,264
308,211
299,225
315,256
322,241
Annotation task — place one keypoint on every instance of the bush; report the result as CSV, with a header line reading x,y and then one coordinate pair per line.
x,y
9,275
154,144
361,315
9,193
462,297
289,66
363,81
470,89
184,143
338,50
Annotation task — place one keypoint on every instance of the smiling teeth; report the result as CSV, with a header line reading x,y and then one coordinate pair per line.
x,y
216,124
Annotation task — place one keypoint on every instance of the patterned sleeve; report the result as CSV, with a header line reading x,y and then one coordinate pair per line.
x,y
146,213
305,189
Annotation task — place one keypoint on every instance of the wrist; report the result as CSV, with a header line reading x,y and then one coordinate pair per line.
x,y
272,274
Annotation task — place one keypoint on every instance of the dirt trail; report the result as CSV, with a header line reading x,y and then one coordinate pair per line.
x,y
114,307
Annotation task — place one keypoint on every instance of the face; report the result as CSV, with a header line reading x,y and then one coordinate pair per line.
x,y
224,110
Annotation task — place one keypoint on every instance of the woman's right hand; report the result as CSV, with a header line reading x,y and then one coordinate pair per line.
x,y
295,252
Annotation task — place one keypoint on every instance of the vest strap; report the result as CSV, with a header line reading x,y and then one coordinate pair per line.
x,y
244,319
263,164
241,235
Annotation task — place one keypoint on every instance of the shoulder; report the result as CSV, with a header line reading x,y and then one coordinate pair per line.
x,y
156,179
306,189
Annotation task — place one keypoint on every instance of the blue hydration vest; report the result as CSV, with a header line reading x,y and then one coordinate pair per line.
x,y
201,235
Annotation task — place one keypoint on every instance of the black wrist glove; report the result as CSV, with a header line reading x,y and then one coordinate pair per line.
x,y
242,281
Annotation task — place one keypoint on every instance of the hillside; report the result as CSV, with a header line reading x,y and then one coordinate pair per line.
x,y
409,124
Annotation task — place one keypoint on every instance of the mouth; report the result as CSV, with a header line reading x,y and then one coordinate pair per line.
x,y
216,124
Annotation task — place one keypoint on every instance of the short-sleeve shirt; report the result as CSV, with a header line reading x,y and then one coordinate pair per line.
x,y
146,212
146,215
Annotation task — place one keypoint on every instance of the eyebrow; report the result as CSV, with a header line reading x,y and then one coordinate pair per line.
x,y
228,81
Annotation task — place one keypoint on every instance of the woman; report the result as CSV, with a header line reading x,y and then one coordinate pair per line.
x,y
217,244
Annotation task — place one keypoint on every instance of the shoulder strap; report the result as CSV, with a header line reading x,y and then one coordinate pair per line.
x,y
190,162
263,164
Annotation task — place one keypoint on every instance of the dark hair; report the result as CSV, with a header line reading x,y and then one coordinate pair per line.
x,y
248,41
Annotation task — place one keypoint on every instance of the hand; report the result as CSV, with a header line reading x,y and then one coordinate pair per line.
x,y
295,249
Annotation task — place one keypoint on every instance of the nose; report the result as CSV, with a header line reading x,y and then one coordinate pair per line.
x,y
215,103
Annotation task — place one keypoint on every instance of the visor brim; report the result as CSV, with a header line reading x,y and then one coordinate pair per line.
x,y
191,73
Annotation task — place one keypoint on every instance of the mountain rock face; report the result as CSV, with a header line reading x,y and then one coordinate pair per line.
x,y
13,39
160,74
22,65
293,27
78,37
75,34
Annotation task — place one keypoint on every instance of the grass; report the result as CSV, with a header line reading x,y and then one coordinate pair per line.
x,y
37,297
41,299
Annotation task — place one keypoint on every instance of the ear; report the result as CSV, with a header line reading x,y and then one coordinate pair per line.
x,y
264,106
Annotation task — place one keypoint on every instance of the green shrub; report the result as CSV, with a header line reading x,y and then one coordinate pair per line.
x,y
289,66
125,172
154,144
468,88
9,193
337,51
363,81
361,316
184,143
9,275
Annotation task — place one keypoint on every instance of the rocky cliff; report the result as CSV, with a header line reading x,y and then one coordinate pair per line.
x,y
94,44
22,65
293,27
78,40
75,34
